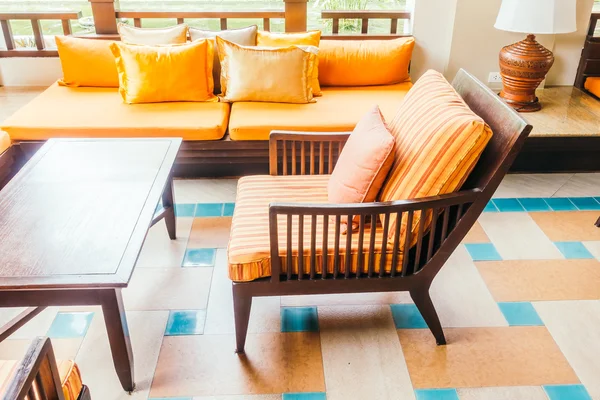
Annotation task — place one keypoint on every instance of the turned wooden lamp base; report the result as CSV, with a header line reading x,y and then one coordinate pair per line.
x,y
523,67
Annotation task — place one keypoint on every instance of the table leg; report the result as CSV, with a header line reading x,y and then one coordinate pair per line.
x,y
168,200
118,336
598,223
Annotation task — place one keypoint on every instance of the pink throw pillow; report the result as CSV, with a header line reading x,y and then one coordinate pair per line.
x,y
364,162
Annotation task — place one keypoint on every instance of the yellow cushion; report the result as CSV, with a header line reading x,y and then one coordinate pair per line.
x,y
154,74
70,377
86,62
4,142
592,85
153,36
100,112
438,141
275,74
311,38
249,247
364,62
338,110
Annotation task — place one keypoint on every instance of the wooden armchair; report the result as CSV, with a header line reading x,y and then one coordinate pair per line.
x,y
452,216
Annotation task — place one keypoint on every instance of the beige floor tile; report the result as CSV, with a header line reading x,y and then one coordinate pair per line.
x,y
476,235
593,247
241,397
159,251
205,190
574,326
531,185
202,365
38,326
95,361
362,357
265,314
567,226
481,357
503,393
211,233
353,299
535,280
168,289
15,349
517,237
580,185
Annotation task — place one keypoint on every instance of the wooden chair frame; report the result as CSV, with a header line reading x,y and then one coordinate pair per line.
x,y
589,63
453,215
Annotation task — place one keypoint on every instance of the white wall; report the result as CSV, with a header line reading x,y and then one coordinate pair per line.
x,y
41,71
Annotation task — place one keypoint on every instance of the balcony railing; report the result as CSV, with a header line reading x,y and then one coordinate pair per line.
x,y
365,16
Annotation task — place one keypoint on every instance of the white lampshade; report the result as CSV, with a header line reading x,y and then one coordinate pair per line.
x,y
537,16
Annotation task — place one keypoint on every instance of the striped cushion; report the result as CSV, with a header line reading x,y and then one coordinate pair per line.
x,y
249,247
438,141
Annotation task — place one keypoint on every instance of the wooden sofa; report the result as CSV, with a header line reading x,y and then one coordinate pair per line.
x,y
589,63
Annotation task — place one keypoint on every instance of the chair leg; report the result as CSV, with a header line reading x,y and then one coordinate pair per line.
x,y
242,305
425,306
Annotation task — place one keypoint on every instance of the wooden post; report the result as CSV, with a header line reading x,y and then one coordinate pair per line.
x,y
105,19
296,15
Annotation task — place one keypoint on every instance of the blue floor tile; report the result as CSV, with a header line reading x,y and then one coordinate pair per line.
x,y
407,316
304,396
585,203
436,394
534,204
567,392
483,252
299,319
70,325
185,210
490,207
228,209
189,322
573,250
520,314
170,398
209,209
199,258
560,204
508,205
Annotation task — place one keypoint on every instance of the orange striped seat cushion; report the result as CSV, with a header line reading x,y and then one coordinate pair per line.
x,y
249,248
438,141
70,377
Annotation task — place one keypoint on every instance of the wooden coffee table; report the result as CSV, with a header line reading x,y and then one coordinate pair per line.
x,y
72,224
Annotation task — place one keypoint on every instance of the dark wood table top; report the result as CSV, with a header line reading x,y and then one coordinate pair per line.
x,y
77,213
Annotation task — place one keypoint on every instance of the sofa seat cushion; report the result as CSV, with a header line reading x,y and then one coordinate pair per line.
x,y
99,112
70,377
4,142
249,246
338,110
592,85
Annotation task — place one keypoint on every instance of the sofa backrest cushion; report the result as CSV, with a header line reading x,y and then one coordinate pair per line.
x,y
86,62
364,62
153,36
244,36
438,141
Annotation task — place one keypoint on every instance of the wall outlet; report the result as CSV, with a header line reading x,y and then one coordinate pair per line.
x,y
495,77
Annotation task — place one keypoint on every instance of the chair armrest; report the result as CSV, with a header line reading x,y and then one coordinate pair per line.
x,y
302,153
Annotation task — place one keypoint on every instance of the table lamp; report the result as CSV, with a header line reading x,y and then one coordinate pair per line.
x,y
524,65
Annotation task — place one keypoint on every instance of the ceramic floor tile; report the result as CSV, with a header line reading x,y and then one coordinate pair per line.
x,y
573,250
593,247
508,205
299,319
520,314
560,204
574,327
490,207
95,361
168,289
517,237
228,209
15,349
532,280
205,365
205,190
159,251
503,393
361,356
534,204
38,326
241,397
265,314
68,325
531,185
567,392
199,258
483,252
212,232
585,203
360,299
476,235
436,394
209,210
407,316
580,185
568,226
185,210
480,357
304,396
185,322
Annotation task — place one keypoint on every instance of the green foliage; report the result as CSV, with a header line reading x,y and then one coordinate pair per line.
x,y
347,25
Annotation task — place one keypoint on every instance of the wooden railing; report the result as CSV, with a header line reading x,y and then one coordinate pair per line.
x,y
223,16
365,16
35,18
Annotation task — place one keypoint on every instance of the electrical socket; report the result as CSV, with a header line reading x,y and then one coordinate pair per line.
x,y
495,77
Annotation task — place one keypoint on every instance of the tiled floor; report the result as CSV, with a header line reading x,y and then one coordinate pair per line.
x,y
519,301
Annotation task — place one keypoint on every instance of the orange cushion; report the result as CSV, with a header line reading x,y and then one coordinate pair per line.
x,y
4,142
86,62
364,62
364,162
592,85
438,141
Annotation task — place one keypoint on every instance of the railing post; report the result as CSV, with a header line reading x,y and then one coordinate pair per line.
x,y
105,18
296,15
